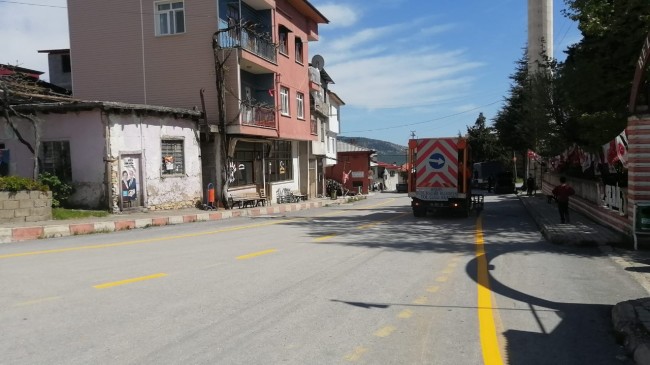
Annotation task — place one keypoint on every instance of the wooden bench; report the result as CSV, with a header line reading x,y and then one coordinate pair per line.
x,y
297,196
247,200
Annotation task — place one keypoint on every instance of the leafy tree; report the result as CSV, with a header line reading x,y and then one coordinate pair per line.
x,y
483,141
596,75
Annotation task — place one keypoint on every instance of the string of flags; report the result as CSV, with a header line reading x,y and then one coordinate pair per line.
x,y
612,152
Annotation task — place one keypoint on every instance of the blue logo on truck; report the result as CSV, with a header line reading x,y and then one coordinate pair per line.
x,y
437,161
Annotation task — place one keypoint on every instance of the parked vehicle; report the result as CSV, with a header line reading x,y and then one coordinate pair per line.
x,y
483,171
505,183
440,175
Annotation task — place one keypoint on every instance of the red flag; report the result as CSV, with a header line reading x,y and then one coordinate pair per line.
x,y
271,92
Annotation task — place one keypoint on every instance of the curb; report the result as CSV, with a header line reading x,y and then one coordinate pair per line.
x,y
17,234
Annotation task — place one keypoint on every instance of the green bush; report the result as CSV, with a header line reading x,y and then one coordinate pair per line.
x,y
17,183
60,190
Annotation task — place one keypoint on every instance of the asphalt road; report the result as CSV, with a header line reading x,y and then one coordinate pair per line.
x,y
364,283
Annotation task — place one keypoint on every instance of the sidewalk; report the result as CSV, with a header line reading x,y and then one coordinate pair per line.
x,y
631,318
14,232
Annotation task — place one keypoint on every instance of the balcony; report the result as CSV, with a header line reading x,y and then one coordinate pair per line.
x,y
258,44
258,116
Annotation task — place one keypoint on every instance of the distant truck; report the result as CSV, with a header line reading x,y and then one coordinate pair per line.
x,y
483,171
440,173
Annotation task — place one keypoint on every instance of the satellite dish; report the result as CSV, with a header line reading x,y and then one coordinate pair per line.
x,y
318,62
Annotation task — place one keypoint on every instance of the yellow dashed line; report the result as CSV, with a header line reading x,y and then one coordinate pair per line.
x,y
406,313
255,254
447,271
128,281
441,279
37,301
385,331
433,289
356,354
421,300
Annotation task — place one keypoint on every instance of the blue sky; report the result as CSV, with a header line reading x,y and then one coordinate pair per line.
x,y
424,66
429,66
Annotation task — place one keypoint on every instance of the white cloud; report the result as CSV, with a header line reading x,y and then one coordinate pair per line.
x,y
26,29
397,65
340,16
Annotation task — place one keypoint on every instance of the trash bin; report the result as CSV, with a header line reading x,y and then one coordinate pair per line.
x,y
333,194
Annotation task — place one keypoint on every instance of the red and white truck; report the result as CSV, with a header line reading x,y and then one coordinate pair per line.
x,y
440,173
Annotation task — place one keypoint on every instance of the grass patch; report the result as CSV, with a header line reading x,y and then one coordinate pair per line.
x,y
62,213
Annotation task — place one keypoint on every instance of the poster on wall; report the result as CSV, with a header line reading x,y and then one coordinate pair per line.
x,y
130,169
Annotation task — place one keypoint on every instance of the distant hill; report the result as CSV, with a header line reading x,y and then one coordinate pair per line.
x,y
387,152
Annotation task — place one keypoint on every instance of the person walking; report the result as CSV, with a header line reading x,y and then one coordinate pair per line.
x,y
530,185
562,193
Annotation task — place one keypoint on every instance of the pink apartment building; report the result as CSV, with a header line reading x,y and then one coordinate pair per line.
x,y
163,53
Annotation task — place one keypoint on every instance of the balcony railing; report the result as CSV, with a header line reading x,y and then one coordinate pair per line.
x,y
258,44
258,116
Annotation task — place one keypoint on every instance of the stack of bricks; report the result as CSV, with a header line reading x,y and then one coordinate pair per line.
x,y
25,206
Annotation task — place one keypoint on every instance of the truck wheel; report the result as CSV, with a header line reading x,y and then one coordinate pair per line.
x,y
419,213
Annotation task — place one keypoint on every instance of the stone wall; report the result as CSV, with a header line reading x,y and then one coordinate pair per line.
x,y
25,206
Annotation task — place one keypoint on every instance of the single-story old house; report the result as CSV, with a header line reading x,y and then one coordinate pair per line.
x,y
117,156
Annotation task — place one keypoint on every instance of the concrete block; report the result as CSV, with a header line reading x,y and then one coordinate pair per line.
x,y
4,195
21,195
11,204
41,203
41,211
34,195
189,218
56,231
104,227
27,233
142,223
7,214
37,218
124,225
83,228
178,219
161,221
22,212
5,235
202,217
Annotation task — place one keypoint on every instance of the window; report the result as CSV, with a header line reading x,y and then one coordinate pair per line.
x,y
284,101
172,157
170,17
283,34
280,162
300,101
299,58
54,158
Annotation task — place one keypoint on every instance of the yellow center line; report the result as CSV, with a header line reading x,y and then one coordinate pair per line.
x,y
37,301
129,281
406,313
255,254
420,300
385,331
489,341
356,354
441,279
433,289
